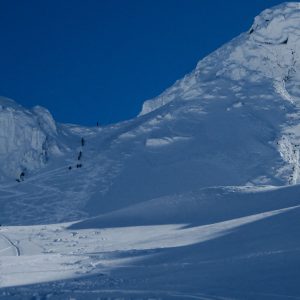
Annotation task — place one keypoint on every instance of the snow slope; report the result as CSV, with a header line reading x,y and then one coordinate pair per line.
x,y
232,121
243,243
197,197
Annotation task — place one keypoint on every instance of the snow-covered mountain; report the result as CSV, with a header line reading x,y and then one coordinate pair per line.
x,y
232,121
220,148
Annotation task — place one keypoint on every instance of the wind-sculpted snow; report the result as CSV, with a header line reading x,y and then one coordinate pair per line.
x,y
270,51
278,25
27,139
197,197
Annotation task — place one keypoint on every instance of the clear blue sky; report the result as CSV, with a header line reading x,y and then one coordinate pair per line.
x,y
98,60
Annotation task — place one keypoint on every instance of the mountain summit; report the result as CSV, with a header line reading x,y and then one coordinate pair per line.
x,y
269,50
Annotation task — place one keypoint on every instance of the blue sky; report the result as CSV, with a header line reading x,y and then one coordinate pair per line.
x,y
98,60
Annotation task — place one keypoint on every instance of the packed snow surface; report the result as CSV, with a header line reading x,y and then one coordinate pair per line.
x,y
196,198
241,236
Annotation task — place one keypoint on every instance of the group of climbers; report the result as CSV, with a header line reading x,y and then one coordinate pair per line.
x,y
79,156
78,165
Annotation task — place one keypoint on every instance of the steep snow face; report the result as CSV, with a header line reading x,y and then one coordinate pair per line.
x,y
279,25
258,70
269,51
26,138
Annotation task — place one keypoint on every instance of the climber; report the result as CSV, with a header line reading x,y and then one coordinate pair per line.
x,y
79,155
82,142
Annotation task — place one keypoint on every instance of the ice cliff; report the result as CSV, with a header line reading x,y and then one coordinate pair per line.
x,y
27,138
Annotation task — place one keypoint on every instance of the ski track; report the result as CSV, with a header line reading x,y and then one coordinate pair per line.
x,y
93,180
11,244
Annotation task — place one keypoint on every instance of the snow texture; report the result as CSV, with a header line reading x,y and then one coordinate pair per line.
x,y
27,138
196,198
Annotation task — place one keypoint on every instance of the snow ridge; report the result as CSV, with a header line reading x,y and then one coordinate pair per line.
x,y
270,50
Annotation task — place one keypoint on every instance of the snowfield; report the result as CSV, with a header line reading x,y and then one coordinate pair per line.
x,y
196,198
120,251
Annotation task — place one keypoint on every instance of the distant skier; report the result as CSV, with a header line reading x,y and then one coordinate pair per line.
x,y
82,141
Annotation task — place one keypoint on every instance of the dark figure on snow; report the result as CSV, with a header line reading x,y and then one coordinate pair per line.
x,y
82,142
79,155
78,165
